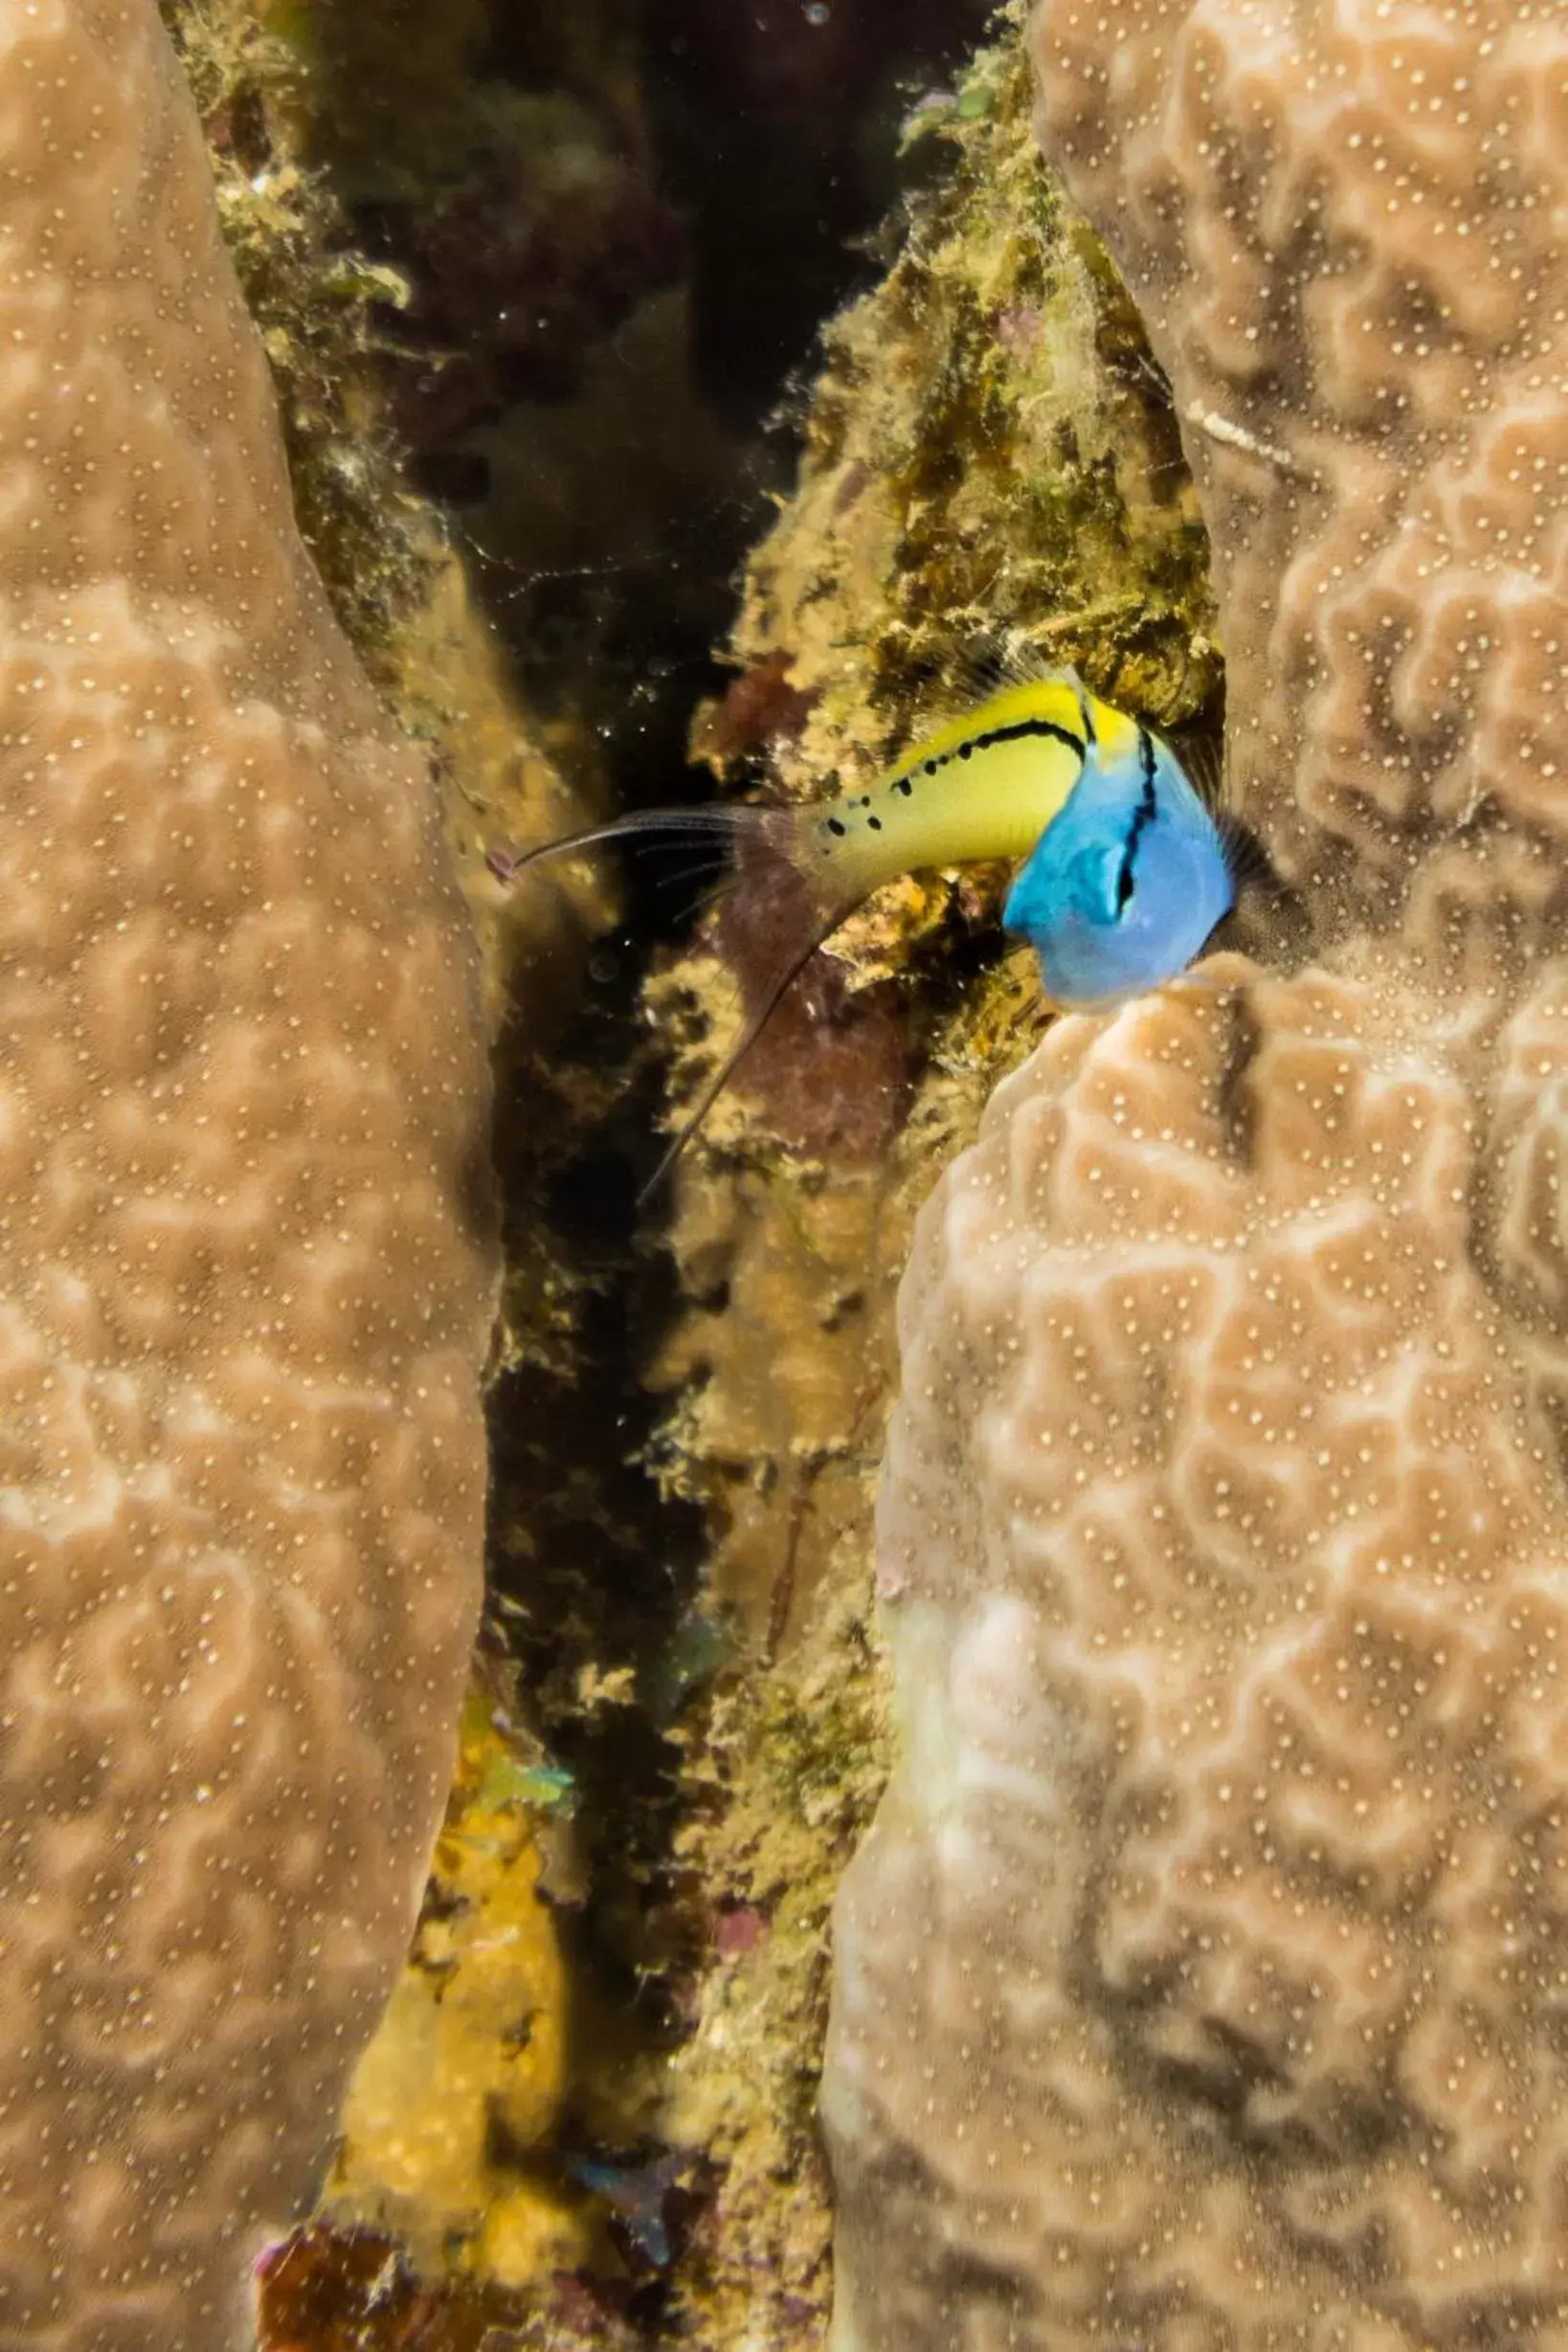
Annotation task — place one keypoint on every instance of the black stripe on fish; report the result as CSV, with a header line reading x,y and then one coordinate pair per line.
x,y
1145,814
1018,733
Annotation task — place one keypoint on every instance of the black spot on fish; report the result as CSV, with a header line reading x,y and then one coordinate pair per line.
x,y
835,824
903,784
931,766
875,823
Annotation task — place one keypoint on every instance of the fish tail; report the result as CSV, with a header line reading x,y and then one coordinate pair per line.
x,y
721,826
788,917
797,921
764,1002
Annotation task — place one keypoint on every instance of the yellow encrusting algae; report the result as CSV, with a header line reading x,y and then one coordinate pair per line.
x,y
464,2081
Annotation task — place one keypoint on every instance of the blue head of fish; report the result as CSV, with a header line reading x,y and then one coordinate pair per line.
x,y
1126,883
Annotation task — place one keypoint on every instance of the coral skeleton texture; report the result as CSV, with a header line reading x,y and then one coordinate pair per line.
x,y
1201,1982
1344,227
244,1280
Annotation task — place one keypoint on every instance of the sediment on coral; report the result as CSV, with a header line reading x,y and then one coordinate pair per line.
x,y
244,1259
1199,1978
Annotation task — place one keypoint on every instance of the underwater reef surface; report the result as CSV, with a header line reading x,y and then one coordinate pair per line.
x,y
1201,1978
513,338
986,456
245,1253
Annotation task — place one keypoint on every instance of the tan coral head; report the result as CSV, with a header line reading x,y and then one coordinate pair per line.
x,y
244,1281
1201,1980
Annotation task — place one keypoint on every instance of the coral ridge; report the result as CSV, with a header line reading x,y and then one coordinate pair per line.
x,y
243,1257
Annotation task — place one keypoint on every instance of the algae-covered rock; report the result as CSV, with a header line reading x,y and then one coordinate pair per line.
x,y
590,2116
327,311
467,2077
989,461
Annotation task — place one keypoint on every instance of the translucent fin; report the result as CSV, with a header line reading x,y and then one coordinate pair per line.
x,y
1249,858
774,988
994,664
777,827
1203,757
777,833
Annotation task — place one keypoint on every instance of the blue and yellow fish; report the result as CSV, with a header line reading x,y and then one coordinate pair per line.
x,y
1126,869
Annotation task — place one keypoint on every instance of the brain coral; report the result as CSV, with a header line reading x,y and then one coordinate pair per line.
x,y
1202,1981
243,1273
1345,228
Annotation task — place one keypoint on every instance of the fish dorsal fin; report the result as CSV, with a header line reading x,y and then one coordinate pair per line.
x,y
993,665
1202,757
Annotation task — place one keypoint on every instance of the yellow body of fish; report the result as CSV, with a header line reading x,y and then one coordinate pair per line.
x,y
1115,897
985,785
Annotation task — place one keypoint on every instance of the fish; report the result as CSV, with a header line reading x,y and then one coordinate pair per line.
x,y
1126,867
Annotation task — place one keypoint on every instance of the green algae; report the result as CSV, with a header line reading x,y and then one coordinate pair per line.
x,y
794,1764
990,459
318,303
689,1420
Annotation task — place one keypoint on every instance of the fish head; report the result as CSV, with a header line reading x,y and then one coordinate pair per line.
x,y
1125,885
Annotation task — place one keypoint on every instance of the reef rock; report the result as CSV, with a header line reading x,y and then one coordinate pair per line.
x,y
1200,1981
